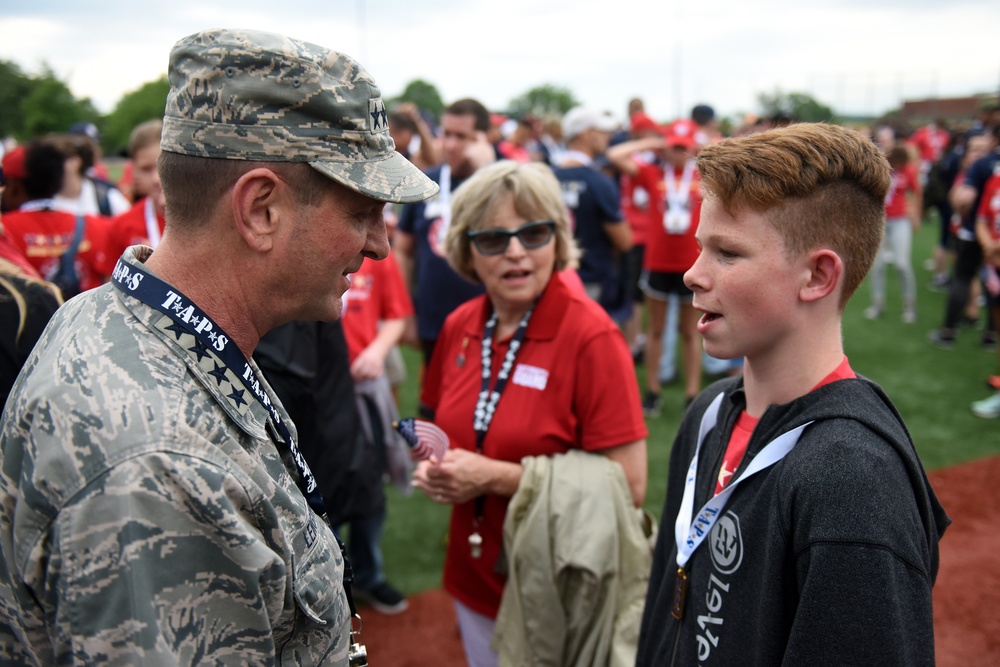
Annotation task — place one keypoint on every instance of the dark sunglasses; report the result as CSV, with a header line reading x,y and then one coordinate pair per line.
x,y
495,241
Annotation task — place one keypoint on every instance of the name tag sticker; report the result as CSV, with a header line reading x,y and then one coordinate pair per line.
x,y
531,376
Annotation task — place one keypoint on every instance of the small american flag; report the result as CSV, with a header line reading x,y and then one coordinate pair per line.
x,y
423,438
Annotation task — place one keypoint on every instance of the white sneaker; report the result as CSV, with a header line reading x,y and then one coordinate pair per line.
x,y
909,316
873,312
988,408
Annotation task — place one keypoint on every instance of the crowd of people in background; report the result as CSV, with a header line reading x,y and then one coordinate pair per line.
x,y
633,223
631,192
621,165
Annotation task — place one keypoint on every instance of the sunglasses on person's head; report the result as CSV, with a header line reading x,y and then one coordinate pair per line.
x,y
495,241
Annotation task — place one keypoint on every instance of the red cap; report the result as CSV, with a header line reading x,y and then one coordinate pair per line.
x,y
13,164
640,122
680,133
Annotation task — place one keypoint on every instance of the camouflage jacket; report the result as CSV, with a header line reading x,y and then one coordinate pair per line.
x,y
147,513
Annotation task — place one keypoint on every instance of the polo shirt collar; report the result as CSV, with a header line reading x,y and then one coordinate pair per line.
x,y
546,320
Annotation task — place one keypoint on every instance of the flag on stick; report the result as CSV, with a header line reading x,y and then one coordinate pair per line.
x,y
424,438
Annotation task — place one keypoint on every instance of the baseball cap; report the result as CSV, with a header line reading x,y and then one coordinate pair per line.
x,y
580,119
680,133
641,122
252,95
85,129
13,164
702,113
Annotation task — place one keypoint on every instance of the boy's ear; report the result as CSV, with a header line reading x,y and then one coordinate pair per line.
x,y
825,271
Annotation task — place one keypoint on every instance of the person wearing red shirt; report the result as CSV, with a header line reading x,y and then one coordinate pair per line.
x,y
376,308
902,220
930,142
26,302
41,232
11,253
671,248
557,373
143,224
988,235
640,215
828,507
520,145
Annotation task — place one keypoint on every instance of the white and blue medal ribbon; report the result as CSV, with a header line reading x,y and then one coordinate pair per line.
x,y
677,214
690,529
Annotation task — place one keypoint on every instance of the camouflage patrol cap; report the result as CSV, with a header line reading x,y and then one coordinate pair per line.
x,y
250,95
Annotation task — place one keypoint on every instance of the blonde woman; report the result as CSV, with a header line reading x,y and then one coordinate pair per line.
x,y
532,368
26,304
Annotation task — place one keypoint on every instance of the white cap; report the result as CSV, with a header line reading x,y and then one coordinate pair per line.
x,y
580,119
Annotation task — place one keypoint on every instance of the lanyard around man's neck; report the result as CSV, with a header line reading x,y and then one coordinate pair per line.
x,y
135,281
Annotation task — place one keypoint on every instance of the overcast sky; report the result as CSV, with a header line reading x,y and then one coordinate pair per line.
x,y
857,56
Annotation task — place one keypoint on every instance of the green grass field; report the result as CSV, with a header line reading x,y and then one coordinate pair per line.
x,y
932,389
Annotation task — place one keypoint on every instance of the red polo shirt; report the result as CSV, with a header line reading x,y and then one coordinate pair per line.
x,y
573,386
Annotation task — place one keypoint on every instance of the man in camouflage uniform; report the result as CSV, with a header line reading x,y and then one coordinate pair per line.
x,y
154,508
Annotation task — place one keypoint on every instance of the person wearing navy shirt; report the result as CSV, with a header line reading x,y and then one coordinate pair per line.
x,y
592,197
965,198
419,239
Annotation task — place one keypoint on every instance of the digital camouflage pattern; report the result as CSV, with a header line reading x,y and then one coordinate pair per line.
x,y
249,95
146,515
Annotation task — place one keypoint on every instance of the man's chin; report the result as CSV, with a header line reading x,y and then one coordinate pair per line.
x,y
328,314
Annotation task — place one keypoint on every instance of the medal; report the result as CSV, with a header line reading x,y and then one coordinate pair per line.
x,y
357,654
677,221
476,544
677,214
691,528
680,590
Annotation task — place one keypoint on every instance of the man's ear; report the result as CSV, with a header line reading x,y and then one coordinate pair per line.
x,y
257,196
825,271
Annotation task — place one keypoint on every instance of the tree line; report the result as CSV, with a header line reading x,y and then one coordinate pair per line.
x,y
39,104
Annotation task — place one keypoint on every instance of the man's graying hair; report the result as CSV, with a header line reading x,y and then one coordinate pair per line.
x,y
194,185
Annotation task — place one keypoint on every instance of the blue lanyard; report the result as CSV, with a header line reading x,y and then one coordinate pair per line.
x,y
131,279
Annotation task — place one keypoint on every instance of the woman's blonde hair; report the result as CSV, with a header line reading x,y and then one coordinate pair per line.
x,y
14,292
536,195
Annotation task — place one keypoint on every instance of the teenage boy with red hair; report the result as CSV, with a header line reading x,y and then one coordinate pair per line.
x,y
799,526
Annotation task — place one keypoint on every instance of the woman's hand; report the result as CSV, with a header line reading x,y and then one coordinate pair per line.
x,y
462,475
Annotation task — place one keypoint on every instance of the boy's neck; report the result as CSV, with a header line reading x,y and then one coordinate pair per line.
x,y
791,372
